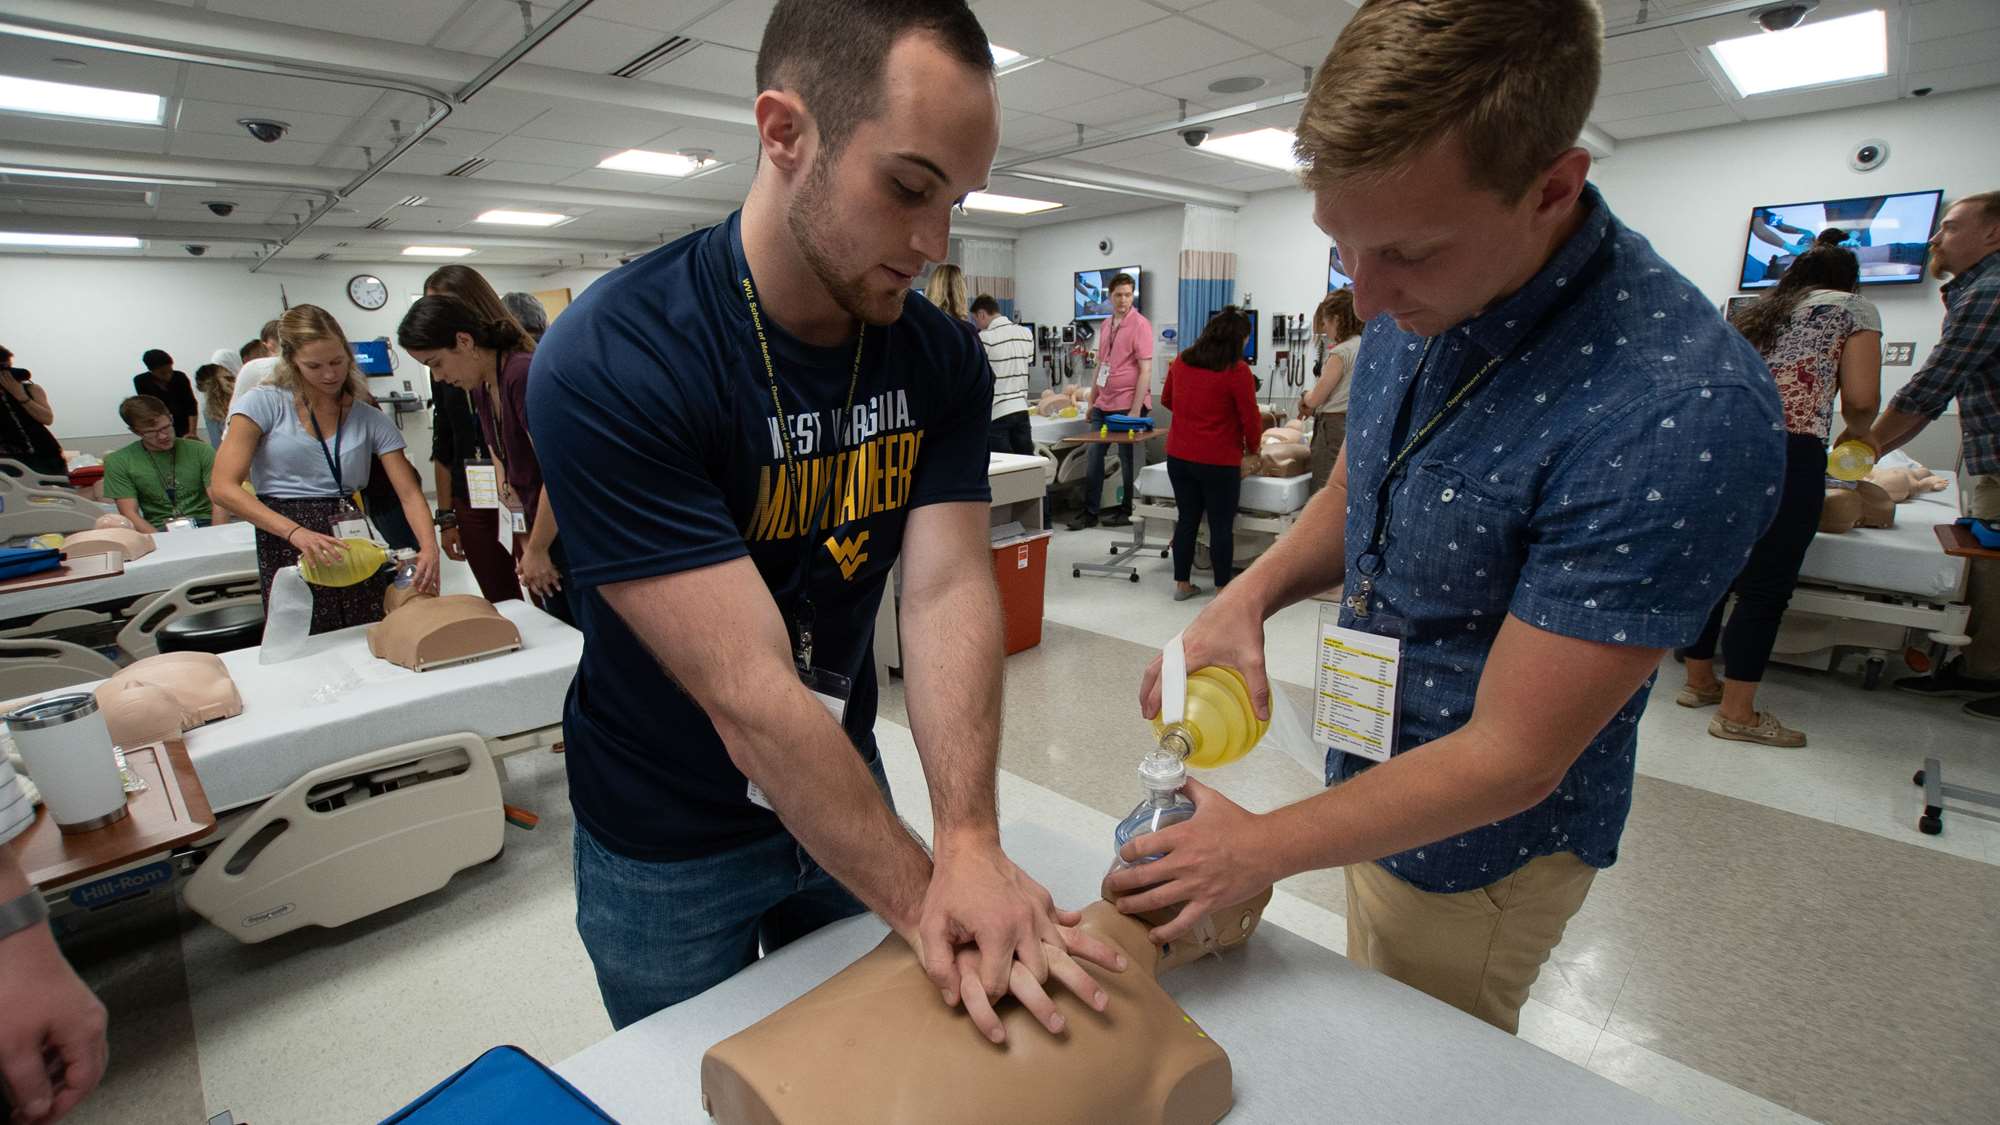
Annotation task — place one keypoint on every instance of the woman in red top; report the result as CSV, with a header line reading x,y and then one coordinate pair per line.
x,y
1215,427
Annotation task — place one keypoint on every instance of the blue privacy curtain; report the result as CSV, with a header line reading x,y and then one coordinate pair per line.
x,y
1208,267
989,268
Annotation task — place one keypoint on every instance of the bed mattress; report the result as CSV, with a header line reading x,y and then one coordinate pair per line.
x,y
1050,431
336,701
1904,559
1277,495
197,552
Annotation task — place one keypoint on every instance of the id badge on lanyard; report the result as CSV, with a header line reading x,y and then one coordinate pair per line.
x,y
1356,688
832,689
349,522
482,485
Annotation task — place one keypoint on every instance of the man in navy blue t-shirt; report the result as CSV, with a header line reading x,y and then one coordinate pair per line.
x,y
744,431
1558,456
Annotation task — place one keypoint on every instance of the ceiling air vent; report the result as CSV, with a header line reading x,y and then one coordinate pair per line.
x,y
413,201
469,167
657,57
323,256
380,224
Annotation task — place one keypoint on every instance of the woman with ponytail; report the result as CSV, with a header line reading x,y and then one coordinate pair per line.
x,y
489,357
1819,338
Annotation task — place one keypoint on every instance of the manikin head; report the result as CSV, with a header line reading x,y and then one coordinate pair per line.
x,y
866,150
314,359
149,419
460,347
1969,231
1439,141
984,309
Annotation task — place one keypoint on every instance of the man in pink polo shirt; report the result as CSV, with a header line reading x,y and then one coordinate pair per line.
x,y
1124,386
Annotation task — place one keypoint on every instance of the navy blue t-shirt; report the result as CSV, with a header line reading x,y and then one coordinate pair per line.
x,y
651,410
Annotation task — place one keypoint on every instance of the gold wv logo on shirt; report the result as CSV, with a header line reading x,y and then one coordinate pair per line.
x,y
848,553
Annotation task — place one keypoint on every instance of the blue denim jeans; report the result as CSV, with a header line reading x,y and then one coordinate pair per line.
x,y
661,932
1093,478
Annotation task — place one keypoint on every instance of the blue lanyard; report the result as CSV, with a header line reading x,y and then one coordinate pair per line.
x,y
333,460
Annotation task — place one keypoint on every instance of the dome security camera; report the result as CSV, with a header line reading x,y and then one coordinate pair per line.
x,y
1195,136
264,129
1104,246
220,208
1868,155
1784,17
195,249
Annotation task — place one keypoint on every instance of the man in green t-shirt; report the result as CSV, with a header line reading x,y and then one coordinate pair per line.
x,y
160,477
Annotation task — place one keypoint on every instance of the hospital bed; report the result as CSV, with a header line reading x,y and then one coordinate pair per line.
x,y
1870,588
32,504
349,785
189,570
1266,509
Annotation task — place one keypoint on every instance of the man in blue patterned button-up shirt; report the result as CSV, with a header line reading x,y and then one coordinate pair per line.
x,y
1572,517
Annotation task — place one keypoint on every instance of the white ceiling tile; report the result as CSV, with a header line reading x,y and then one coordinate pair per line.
x,y
1959,50
497,111
514,171
1048,27
712,68
605,125
1641,44
239,87
407,21
740,24
1272,24
1019,129
1618,107
534,150
81,134
594,46
32,58
1942,19
1678,122
1312,52
725,143
659,15
1049,87
1116,111
216,146
1818,101
1157,51
1280,77
1957,78
1650,73
221,117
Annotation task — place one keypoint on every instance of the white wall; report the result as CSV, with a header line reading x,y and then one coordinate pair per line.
x,y
1691,194
81,323
1047,258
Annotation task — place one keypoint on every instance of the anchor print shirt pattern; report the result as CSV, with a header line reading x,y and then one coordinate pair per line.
x,y
1605,482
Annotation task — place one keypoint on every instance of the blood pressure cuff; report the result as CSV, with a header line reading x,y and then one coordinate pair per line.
x,y
19,562
1986,532
505,1084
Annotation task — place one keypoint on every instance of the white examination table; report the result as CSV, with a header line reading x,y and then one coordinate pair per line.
x,y
194,569
1868,588
1266,509
349,785
1311,1037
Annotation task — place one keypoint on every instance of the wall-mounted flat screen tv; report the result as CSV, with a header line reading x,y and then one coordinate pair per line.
x,y
1093,291
1889,233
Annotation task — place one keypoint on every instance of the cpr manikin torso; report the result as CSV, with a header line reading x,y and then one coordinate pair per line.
x,y
875,1045
114,520
165,696
1865,505
427,632
104,540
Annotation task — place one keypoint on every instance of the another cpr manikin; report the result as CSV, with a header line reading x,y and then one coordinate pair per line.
x,y
104,540
430,632
875,1045
1903,483
1865,505
165,696
113,520
1285,459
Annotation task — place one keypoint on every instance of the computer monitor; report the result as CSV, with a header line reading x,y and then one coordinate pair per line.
x,y
372,356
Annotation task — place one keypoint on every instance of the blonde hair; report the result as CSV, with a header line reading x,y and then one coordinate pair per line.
x,y
304,325
1336,316
1513,83
946,290
1987,203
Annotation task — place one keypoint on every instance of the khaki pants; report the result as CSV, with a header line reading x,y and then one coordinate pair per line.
x,y
1479,950
1982,656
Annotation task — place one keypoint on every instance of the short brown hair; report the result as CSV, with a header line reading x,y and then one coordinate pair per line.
x,y
142,408
843,87
1987,203
1513,82
1122,279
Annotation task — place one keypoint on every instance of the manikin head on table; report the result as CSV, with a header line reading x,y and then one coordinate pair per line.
x,y
164,696
873,1045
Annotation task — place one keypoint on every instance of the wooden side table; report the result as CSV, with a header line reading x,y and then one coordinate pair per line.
x,y
111,863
